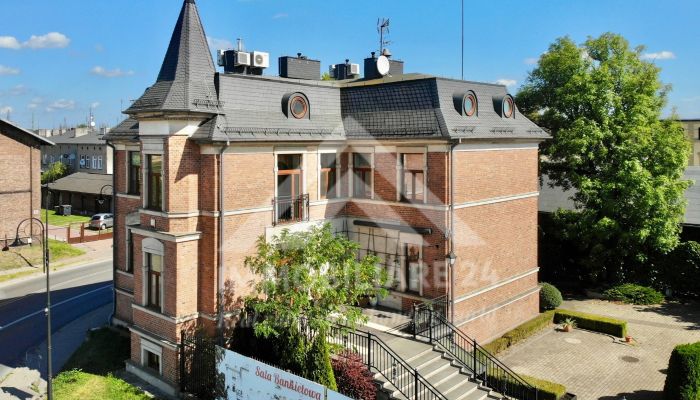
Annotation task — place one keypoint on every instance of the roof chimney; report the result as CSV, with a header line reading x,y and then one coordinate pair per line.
x,y
299,67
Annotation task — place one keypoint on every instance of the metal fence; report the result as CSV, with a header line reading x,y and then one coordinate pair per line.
x,y
198,366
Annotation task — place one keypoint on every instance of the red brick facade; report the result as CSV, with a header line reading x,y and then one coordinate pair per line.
x,y
495,211
20,184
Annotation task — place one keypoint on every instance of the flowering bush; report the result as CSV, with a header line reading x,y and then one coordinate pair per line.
x,y
353,377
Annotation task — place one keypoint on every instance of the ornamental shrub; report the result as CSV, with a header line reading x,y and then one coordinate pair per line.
x,y
550,297
634,294
593,322
352,376
683,378
318,363
681,269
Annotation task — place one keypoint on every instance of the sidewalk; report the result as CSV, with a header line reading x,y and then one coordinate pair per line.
x,y
94,252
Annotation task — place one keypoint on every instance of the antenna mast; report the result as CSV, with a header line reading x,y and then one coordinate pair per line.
x,y
382,27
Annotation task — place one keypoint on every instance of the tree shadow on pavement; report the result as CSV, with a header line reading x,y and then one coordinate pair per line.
x,y
683,311
636,395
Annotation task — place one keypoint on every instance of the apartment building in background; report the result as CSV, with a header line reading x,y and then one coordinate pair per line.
x,y
692,130
417,169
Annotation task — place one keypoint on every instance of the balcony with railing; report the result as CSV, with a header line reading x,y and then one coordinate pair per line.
x,y
288,209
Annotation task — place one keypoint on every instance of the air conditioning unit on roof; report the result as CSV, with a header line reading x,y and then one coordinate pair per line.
x,y
354,69
242,58
261,59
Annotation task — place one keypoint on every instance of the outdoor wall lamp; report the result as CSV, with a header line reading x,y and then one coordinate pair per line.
x,y
101,199
451,257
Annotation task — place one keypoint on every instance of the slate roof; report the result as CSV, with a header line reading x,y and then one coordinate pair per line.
x,y
127,129
83,182
552,199
18,133
90,138
186,78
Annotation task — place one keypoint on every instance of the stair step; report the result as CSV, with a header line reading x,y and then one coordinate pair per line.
x,y
456,386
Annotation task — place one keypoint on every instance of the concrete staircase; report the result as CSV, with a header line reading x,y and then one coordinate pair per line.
x,y
439,370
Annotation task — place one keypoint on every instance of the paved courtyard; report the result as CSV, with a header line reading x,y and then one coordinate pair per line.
x,y
598,366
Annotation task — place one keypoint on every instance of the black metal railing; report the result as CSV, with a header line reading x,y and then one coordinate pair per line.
x,y
198,366
380,358
483,365
286,209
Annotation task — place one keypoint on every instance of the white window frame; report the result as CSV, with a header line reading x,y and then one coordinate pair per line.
x,y
99,162
82,163
399,176
155,247
337,172
351,170
147,346
94,162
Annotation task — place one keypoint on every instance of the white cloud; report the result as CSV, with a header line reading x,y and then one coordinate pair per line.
x,y
219,44
506,82
110,73
35,103
531,60
9,42
5,110
280,15
661,55
18,90
51,40
61,104
4,70
95,104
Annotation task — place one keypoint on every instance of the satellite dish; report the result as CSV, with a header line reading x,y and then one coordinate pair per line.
x,y
383,65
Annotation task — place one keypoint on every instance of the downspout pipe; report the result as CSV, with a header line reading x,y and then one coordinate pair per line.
x,y
452,231
220,270
115,238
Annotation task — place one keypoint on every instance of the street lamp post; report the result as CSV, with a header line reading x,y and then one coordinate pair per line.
x,y
101,199
47,310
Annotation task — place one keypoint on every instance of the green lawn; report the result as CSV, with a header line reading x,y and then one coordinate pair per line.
x,y
88,372
79,385
25,256
61,220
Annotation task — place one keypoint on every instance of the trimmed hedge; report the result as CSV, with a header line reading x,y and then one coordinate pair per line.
x,y
634,294
546,390
593,322
520,333
683,378
550,297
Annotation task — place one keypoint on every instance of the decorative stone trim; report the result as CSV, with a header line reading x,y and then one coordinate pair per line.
x,y
497,306
495,200
169,237
495,285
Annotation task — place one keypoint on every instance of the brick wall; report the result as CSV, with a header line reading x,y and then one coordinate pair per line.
x,y
487,174
20,179
181,174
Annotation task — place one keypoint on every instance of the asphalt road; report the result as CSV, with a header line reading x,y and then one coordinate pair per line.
x,y
74,292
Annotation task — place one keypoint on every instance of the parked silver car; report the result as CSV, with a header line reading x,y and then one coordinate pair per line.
x,y
102,221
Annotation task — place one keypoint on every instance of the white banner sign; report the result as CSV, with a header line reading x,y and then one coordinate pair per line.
x,y
248,379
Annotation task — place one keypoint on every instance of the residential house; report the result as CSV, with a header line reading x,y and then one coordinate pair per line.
x,y
90,164
20,180
414,167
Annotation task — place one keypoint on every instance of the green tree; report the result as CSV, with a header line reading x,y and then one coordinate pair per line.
x,y
55,171
326,77
315,275
602,103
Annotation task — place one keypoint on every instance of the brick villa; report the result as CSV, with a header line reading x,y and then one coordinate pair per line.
x,y
414,167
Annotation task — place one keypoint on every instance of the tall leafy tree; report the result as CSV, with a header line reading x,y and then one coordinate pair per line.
x,y
55,171
602,103
313,274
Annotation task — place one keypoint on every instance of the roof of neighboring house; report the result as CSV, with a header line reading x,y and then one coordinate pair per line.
x,y
187,73
239,107
90,138
18,133
83,182
552,199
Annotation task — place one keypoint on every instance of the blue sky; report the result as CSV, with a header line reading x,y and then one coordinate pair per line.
x,y
59,58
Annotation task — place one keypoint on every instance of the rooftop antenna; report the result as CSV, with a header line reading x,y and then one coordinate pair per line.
x,y
33,120
382,28
462,39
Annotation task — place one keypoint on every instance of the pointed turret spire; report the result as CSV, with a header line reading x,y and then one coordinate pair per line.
x,y
186,78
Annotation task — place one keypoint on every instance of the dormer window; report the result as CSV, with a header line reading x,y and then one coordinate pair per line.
x,y
508,107
504,106
469,104
295,105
